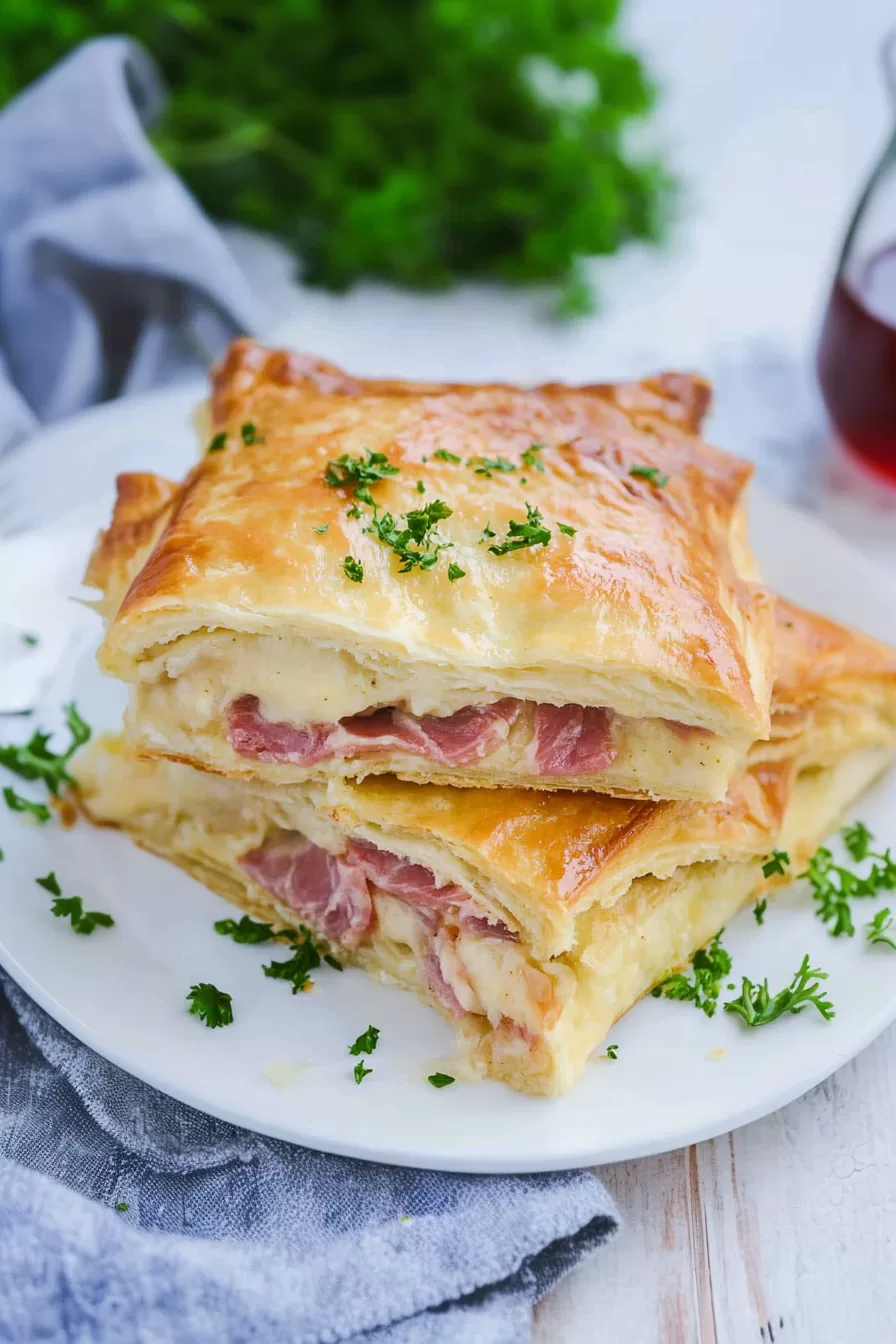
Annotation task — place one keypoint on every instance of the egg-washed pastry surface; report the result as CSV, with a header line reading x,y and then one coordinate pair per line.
x,y
532,919
480,586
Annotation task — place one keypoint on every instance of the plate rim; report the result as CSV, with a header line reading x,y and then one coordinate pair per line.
x,y
867,1029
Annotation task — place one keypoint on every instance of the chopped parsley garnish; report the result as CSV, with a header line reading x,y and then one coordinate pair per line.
x,y
83,921
297,968
247,930
833,887
566,529
360,473
31,640
354,570
711,964
881,928
16,803
519,535
532,456
49,883
757,1007
361,1072
353,512
212,1006
35,760
775,863
249,434
416,544
486,466
455,572
331,961
440,1079
322,530
611,1052
759,910
366,1042
487,533
122,1206
444,456
858,840
652,474
218,442
421,488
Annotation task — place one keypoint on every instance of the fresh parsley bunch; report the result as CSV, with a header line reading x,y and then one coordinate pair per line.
x,y
418,141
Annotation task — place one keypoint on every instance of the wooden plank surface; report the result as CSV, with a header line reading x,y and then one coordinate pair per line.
x,y
779,1233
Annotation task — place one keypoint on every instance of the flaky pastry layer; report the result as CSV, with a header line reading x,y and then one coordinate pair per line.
x,y
526,1017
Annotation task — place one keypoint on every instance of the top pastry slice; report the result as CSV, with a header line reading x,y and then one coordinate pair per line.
x,y
474,585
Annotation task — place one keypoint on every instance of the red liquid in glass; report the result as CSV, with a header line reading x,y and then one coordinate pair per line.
x,y
857,362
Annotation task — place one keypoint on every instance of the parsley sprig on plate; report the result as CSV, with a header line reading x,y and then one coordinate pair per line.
x,y
364,1045
834,886
757,1006
72,907
211,1005
710,965
881,928
35,760
296,970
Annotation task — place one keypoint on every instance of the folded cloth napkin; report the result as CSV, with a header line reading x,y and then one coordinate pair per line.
x,y
111,278
125,1215
172,1226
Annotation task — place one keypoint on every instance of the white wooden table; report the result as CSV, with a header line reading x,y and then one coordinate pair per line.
x,y
782,1232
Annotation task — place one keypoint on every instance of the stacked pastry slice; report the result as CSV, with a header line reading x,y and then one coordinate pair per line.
x,y
639,649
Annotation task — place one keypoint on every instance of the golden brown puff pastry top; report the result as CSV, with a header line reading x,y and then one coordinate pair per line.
x,y
656,589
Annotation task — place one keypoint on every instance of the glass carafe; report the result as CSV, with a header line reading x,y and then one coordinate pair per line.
x,y
857,352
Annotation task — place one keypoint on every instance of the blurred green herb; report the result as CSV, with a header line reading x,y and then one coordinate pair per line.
x,y
418,141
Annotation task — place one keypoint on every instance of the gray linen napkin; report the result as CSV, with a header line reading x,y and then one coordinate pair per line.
x,y
111,280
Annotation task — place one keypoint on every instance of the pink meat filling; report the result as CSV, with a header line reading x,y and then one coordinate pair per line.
x,y
332,892
569,739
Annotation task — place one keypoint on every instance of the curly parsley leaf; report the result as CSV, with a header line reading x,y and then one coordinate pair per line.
x,y
366,1042
331,961
322,530
361,1071
834,887
487,466
710,965
455,572
416,544
531,458
775,863
519,535
247,930
611,1052
881,928
657,478
249,434
211,1005
858,840
353,568
360,473
487,534
759,910
35,760
49,883
444,456
16,803
441,1079
566,529
757,1007
83,921
218,442
296,970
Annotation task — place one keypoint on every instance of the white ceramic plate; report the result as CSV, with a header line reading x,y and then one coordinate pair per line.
x,y
678,1078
